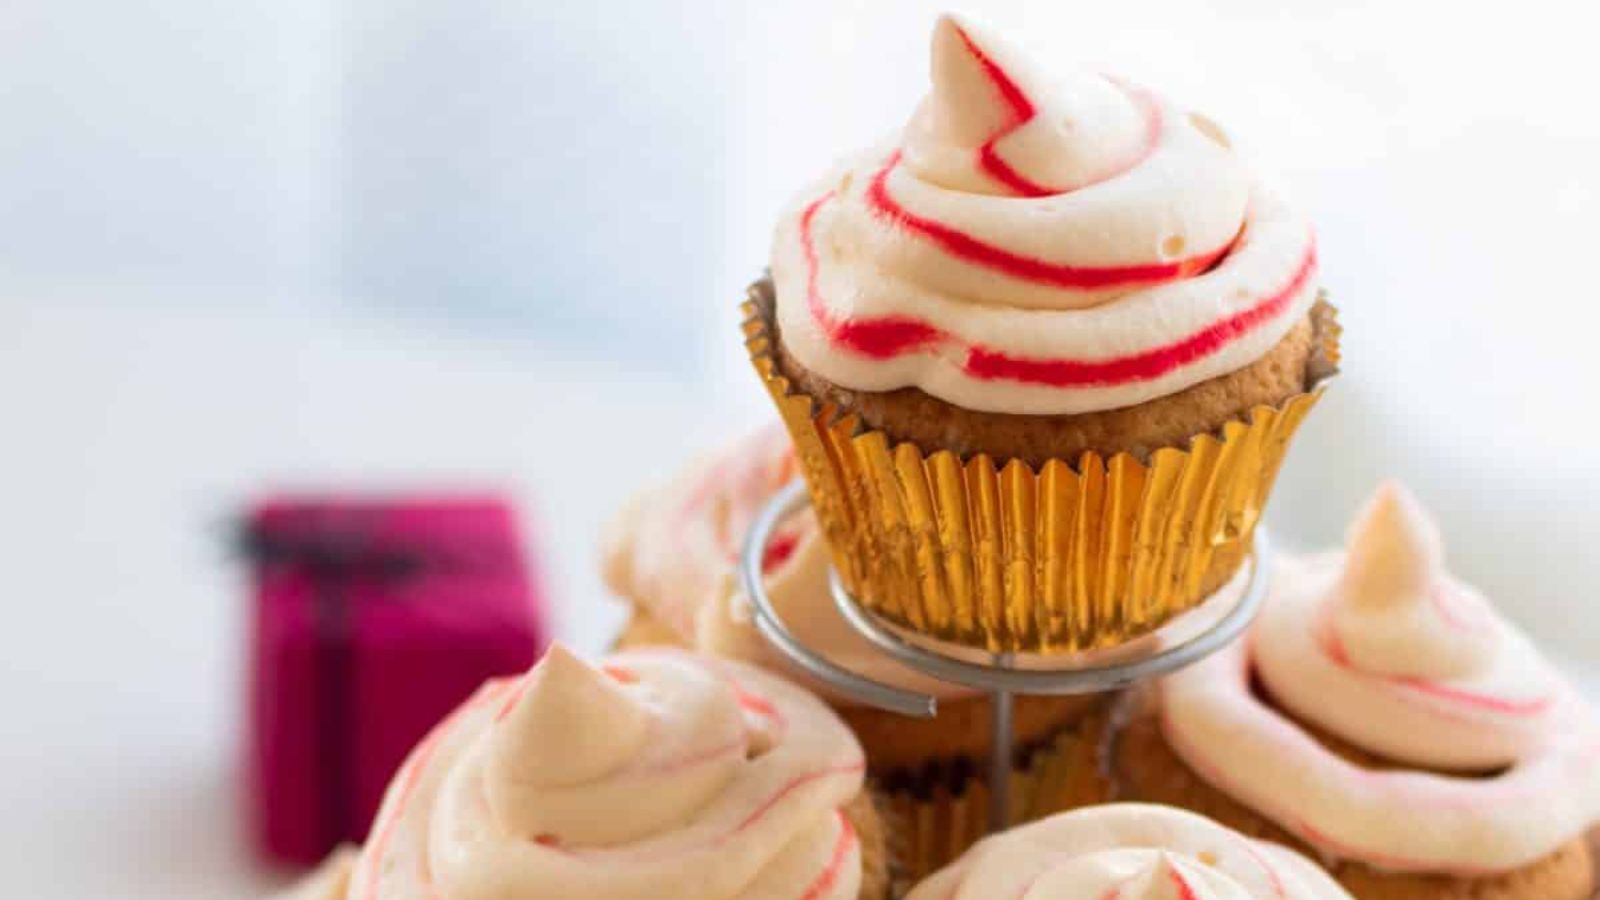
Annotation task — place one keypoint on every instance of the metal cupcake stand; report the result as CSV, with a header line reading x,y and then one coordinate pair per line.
x,y
1001,675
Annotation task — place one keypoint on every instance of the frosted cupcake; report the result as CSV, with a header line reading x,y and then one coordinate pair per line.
x,y
1042,354
657,774
1129,851
1383,715
672,554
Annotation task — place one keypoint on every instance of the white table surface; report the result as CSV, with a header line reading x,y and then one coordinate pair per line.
x,y
129,438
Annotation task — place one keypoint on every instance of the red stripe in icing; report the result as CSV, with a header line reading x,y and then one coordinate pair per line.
x,y
1335,650
1278,889
755,703
793,785
841,851
1441,691
992,365
879,338
1000,170
1021,107
965,246
655,851
779,551
890,336
1023,111
1185,889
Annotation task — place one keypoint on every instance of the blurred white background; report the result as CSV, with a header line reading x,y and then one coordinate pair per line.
x,y
254,244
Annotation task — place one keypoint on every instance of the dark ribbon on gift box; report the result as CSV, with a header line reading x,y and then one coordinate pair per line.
x,y
338,551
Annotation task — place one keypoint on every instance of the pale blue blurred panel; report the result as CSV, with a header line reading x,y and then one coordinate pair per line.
x,y
174,143
544,168
540,172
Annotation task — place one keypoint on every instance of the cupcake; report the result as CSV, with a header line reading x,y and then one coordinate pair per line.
x,y
1041,355
657,774
674,547
1129,851
1384,716
672,554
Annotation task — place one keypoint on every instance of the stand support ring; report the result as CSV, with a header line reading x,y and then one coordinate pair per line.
x,y
1001,677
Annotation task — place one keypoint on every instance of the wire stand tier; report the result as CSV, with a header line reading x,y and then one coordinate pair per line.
x,y
1001,675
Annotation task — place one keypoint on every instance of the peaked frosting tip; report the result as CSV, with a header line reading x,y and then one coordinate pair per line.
x,y
1396,609
1163,879
1394,552
976,90
571,723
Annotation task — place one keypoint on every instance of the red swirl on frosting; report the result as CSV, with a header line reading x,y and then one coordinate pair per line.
x,y
1185,889
1434,689
794,784
1023,111
964,246
879,338
1179,883
889,336
841,851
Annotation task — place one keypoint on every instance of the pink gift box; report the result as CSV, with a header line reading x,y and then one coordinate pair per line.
x,y
373,618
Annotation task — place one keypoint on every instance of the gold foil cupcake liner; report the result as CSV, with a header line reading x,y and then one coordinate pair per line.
x,y
937,813
999,555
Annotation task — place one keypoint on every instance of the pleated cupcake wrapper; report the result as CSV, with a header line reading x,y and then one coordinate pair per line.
x,y
1002,556
937,815
879,866
1594,848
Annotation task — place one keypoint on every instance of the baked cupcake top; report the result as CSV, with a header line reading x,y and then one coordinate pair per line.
x,y
1490,759
657,774
1128,851
674,551
1038,244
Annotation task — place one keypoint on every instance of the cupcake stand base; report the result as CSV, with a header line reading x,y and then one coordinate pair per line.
x,y
1002,675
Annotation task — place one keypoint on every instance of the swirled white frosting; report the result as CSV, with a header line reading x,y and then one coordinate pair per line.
x,y
330,880
1038,245
674,547
1382,648
659,774
1128,851
673,551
